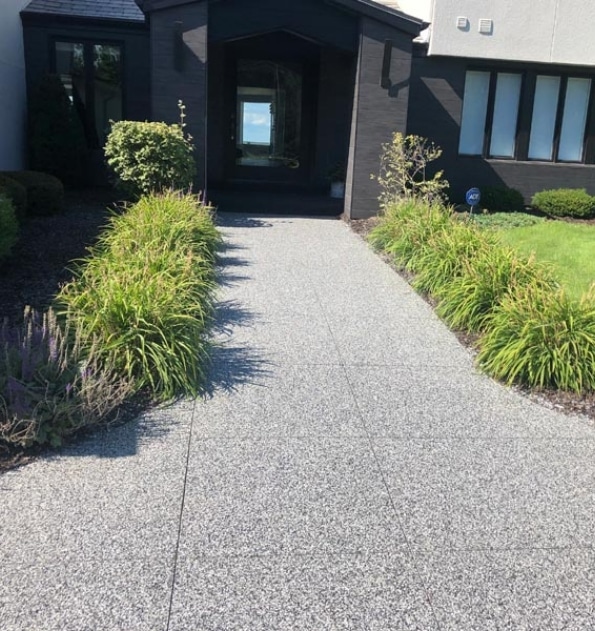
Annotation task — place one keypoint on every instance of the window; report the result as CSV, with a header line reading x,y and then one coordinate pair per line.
x,y
490,110
92,77
553,110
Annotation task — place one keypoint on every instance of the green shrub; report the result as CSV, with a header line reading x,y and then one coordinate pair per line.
x,y
49,387
9,227
17,194
447,253
565,202
468,301
56,136
542,339
150,157
404,170
502,199
145,293
406,226
504,221
45,193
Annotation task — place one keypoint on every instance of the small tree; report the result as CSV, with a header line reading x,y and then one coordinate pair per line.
x,y
150,157
56,137
403,170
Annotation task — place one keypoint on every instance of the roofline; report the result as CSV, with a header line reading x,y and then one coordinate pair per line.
x,y
369,8
36,17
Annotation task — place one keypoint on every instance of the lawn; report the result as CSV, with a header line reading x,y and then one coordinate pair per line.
x,y
569,247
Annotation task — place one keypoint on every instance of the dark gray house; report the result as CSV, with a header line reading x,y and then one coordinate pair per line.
x,y
278,92
281,92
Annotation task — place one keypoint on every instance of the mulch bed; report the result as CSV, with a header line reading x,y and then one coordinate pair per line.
x,y
41,262
562,401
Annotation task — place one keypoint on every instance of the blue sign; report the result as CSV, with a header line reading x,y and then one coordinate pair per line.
x,y
473,196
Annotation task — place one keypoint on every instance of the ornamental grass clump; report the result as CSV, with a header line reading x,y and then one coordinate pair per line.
x,y
146,293
543,339
52,382
468,301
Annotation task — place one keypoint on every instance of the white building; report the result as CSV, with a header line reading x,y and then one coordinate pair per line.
x,y
12,86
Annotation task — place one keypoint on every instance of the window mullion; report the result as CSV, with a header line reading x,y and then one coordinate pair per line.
x,y
487,139
559,117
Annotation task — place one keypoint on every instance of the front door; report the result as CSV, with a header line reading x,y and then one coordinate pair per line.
x,y
270,122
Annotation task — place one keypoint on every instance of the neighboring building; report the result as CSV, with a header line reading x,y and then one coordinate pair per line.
x,y
12,86
279,92
506,88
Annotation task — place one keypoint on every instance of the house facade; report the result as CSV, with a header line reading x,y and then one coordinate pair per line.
x,y
506,89
280,93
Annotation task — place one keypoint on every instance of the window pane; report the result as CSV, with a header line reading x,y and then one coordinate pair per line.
x,y
574,120
506,111
543,123
70,66
107,88
475,107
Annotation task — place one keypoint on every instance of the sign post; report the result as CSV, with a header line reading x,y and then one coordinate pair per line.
x,y
473,197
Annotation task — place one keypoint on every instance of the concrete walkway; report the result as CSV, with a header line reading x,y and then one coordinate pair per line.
x,y
350,470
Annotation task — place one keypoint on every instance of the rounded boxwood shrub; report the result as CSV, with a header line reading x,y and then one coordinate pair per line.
x,y
17,194
565,202
150,157
45,193
502,199
9,227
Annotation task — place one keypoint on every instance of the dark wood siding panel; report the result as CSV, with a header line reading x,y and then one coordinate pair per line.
x,y
377,111
436,100
186,80
234,19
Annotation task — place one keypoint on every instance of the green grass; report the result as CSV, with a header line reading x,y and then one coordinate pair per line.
x,y
569,248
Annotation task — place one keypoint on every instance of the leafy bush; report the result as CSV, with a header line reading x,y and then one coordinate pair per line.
x,y
502,199
403,170
45,193
17,194
145,293
49,387
506,220
150,157
9,227
468,301
56,136
565,202
542,339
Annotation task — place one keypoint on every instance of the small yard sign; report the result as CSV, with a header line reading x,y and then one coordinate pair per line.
x,y
473,196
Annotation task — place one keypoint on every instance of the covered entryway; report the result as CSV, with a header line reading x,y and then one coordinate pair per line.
x,y
280,93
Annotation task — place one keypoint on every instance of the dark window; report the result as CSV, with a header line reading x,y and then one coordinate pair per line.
x,y
92,76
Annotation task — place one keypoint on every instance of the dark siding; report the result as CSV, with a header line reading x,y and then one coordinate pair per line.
x,y
437,86
187,80
377,112
219,125
335,99
233,19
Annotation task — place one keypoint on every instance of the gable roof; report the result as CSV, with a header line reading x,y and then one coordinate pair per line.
x,y
97,9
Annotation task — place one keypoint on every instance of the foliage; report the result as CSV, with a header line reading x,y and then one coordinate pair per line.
x,y
9,227
56,137
404,170
150,157
567,247
145,293
45,193
505,220
565,202
49,387
17,194
468,301
543,339
502,199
